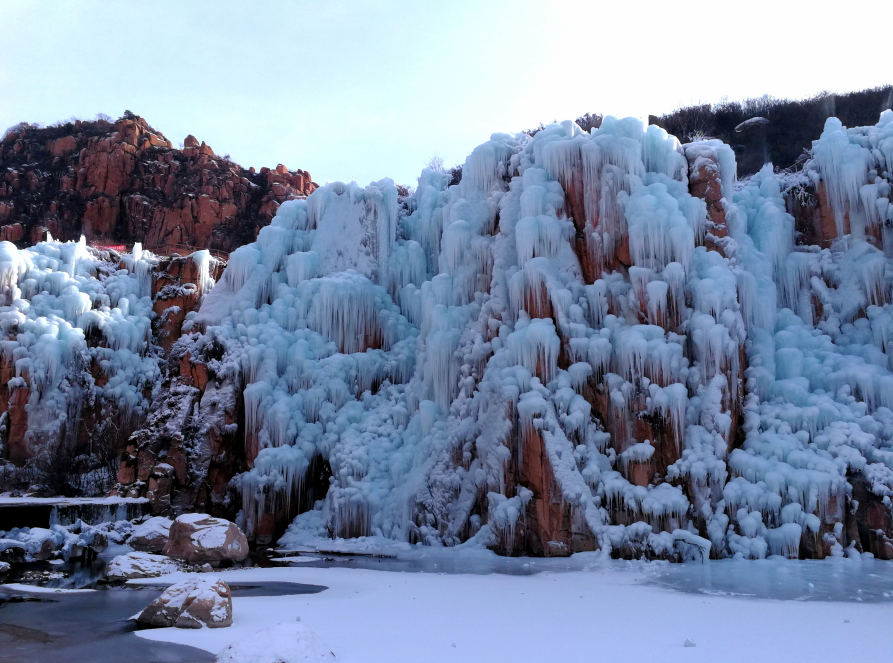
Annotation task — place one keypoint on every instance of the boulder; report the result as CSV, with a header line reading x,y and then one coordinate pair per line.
x,y
151,536
199,538
194,603
140,565
4,568
283,643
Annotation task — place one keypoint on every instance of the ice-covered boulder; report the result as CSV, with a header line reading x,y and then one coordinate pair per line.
x,y
140,565
194,603
4,568
282,643
151,536
199,538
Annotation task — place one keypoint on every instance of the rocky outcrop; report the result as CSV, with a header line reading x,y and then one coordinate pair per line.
x,y
198,539
120,182
705,182
196,603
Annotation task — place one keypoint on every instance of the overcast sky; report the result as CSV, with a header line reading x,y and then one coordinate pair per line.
x,y
368,90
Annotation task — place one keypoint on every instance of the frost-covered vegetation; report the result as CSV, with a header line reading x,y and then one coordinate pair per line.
x,y
790,124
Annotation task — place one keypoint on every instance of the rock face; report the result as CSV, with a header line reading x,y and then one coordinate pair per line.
x,y
196,603
198,538
283,643
151,536
124,182
140,565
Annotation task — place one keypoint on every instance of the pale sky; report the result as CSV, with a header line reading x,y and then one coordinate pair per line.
x,y
368,90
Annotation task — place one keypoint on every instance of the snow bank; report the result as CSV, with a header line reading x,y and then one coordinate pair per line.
x,y
282,643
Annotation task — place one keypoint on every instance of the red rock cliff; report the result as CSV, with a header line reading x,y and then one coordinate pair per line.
x,y
124,182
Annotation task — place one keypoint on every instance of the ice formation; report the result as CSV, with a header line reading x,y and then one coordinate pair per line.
x,y
593,340
568,350
76,332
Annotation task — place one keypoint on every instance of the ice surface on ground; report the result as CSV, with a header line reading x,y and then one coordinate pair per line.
x,y
412,346
373,616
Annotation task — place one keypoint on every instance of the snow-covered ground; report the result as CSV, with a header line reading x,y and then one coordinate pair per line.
x,y
612,611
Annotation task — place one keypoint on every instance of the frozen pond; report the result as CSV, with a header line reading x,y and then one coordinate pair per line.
x,y
832,579
468,605
427,608
788,580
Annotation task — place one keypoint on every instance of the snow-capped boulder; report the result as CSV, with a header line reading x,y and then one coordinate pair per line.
x,y
34,543
194,603
151,536
282,643
199,538
140,565
4,568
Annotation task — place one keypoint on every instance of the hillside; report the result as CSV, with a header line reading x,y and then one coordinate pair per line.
x,y
123,182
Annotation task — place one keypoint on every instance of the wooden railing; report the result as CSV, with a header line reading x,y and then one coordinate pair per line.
x,y
161,249
183,249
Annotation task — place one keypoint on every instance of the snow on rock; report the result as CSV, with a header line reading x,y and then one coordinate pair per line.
x,y
283,643
199,538
151,536
140,565
196,603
